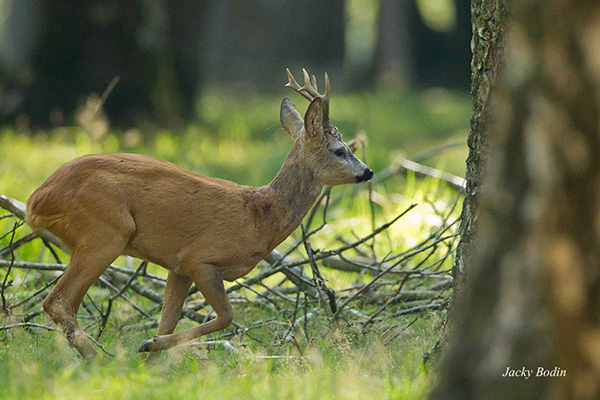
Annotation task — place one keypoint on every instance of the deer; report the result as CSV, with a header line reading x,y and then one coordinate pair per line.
x,y
202,230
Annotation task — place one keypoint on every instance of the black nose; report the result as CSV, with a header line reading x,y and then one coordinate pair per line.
x,y
367,175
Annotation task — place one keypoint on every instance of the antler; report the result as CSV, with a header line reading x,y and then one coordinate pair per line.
x,y
309,91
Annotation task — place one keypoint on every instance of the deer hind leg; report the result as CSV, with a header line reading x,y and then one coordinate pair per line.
x,y
175,293
85,267
210,283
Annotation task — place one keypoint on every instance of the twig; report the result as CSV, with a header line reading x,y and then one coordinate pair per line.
x,y
62,267
52,251
37,292
30,316
6,216
16,207
275,292
261,295
420,170
119,293
157,298
142,265
12,262
317,277
289,268
436,151
11,232
403,296
294,314
365,238
18,243
432,306
382,273
356,249
26,325
148,293
371,206
313,211
105,95
99,345
210,344
395,335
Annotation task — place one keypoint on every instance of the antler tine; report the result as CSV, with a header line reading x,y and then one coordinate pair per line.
x,y
309,90
296,86
308,87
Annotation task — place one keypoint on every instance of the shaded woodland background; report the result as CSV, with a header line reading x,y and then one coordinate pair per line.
x,y
53,55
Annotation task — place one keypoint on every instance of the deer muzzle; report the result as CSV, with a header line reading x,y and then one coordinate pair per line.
x,y
367,175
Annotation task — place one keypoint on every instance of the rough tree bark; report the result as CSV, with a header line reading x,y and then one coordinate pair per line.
x,y
533,289
488,18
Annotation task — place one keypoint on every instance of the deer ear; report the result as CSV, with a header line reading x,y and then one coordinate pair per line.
x,y
313,119
291,120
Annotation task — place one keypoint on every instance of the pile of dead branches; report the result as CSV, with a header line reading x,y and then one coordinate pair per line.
x,y
289,282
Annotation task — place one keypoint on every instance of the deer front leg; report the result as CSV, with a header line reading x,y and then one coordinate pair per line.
x,y
175,293
210,283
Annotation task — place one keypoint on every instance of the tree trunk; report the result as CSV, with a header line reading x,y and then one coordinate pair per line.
x,y
488,18
248,42
80,47
394,61
532,298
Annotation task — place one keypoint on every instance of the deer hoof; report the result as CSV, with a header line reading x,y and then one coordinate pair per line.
x,y
150,345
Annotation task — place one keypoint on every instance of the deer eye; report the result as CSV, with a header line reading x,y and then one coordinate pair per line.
x,y
339,152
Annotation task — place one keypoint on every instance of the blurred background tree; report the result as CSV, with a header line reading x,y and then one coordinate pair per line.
x,y
67,50
53,55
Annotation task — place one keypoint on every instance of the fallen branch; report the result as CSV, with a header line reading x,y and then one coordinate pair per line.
x,y
418,267
436,151
402,164
26,325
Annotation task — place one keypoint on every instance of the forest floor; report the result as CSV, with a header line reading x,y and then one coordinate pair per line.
x,y
242,141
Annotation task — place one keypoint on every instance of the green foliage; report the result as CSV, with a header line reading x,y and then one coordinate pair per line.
x,y
240,139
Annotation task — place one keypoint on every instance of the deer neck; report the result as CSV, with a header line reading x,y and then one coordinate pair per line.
x,y
291,194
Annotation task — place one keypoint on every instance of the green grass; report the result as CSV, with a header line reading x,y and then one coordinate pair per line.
x,y
332,368
240,139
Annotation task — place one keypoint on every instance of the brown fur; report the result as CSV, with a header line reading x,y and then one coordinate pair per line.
x,y
199,228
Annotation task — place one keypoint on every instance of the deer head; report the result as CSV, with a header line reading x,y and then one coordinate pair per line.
x,y
318,142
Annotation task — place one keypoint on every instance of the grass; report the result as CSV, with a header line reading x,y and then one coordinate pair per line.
x,y
331,367
240,139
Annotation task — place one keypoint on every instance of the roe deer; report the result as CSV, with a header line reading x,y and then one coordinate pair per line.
x,y
201,229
